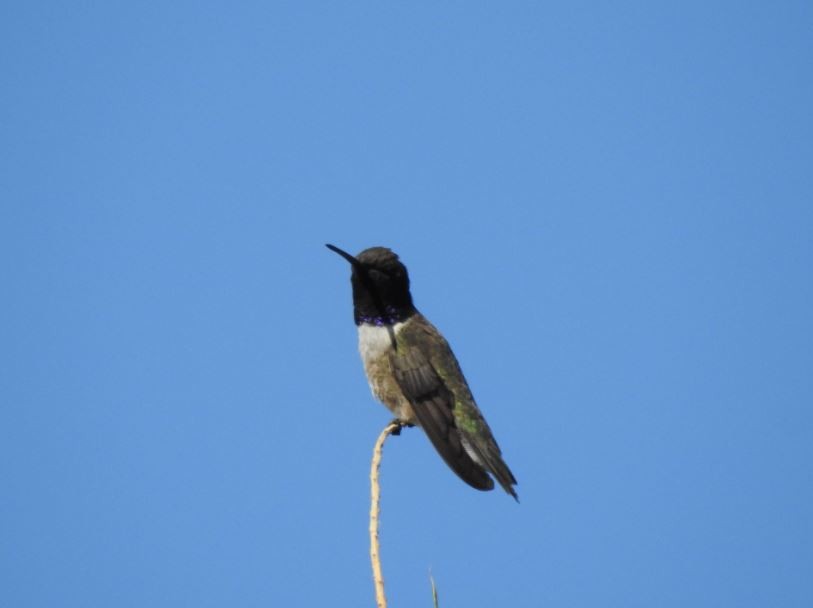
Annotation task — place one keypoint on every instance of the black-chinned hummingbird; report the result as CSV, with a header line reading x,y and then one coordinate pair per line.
x,y
414,373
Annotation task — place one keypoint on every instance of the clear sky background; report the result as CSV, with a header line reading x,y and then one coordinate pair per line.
x,y
606,207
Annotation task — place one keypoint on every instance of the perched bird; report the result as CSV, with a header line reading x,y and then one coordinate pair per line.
x,y
413,371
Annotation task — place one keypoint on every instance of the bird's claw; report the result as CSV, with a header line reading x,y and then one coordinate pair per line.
x,y
399,425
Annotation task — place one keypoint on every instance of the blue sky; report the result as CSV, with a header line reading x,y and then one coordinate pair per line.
x,y
607,209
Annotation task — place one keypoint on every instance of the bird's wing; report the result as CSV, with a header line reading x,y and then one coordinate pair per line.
x,y
433,403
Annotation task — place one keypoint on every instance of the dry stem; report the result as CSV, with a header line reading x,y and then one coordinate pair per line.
x,y
375,493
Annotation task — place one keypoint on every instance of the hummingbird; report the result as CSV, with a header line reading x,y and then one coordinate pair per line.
x,y
412,370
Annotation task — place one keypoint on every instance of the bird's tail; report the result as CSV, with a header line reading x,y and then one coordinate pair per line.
x,y
487,453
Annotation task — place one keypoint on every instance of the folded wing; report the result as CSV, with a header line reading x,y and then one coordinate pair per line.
x,y
433,404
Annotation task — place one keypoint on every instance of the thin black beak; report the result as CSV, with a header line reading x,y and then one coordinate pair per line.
x,y
345,255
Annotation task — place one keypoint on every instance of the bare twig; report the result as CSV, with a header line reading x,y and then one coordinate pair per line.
x,y
375,493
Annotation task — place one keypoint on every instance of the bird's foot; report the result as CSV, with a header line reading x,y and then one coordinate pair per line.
x,y
401,424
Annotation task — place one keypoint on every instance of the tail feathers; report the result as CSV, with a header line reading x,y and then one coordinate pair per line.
x,y
503,475
488,454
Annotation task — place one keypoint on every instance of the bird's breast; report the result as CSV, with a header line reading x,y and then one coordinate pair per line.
x,y
376,341
375,344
